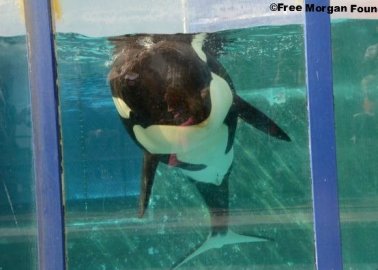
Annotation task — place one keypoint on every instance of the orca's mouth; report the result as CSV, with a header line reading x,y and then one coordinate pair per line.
x,y
181,116
183,119
185,111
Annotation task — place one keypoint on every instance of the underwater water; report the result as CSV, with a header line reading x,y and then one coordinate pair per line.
x,y
270,186
355,69
17,209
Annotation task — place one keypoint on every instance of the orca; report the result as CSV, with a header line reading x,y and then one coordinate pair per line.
x,y
179,104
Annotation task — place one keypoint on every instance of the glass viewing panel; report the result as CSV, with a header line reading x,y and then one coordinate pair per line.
x,y
18,242
355,68
269,192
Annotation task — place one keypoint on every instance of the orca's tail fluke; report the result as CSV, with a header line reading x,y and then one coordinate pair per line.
x,y
217,201
258,119
218,241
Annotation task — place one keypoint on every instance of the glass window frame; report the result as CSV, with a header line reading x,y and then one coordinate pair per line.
x,y
47,148
47,156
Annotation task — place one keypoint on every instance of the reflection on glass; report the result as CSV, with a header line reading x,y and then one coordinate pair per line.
x,y
355,60
270,191
17,208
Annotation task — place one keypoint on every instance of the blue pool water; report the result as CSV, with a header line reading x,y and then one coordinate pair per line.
x,y
17,222
270,182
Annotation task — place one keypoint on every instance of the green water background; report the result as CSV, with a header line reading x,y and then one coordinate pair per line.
x,y
355,70
270,187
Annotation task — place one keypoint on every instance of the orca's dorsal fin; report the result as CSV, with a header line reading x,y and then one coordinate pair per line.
x,y
258,119
150,163
218,241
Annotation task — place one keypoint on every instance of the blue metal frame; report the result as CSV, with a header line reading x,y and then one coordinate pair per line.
x,y
46,135
322,139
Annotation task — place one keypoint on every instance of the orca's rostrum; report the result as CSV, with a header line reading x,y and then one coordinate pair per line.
x,y
178,103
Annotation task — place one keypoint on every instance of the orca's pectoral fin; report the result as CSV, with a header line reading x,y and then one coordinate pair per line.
x,y
258,119
150,163
218,241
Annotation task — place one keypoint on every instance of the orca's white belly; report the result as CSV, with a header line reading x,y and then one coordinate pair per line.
x,y
213,154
